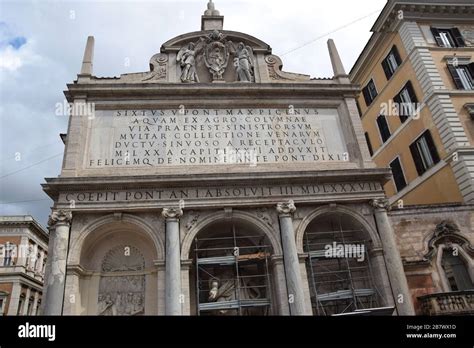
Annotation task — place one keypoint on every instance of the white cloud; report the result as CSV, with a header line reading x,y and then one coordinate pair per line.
x,y
10,58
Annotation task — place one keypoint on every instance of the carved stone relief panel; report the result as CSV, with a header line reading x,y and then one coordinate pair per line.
x,y
122,282
158,68
215,51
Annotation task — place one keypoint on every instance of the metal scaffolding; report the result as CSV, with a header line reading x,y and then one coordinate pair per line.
x,y
338,283
232,275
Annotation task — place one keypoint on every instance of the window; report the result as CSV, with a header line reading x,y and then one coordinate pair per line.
x,y
383,128
38,308
424,153
358,108
8,254
448,37
456,271
398,176
369,145
370,92
30,305
463,75
470,109
391,63
406,101
3,301
20,305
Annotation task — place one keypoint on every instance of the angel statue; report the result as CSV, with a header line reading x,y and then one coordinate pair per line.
x,y
186,58
243,62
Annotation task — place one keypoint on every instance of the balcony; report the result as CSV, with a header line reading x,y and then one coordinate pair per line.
x,y
448,303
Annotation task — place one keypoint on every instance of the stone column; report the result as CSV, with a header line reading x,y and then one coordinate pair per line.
x,y
173,261
14,299
280,294
72,296
185,299
294,282
54,281
160,275
393,261
382,281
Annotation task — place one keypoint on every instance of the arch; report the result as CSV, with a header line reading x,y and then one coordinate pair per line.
x,y
90,229
438,235
301,229
257,44
236,216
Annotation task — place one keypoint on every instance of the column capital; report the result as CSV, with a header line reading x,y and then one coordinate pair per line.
x,y
286,208
172,213
60,217
381,204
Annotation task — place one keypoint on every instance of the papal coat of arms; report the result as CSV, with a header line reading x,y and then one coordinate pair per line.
x,y
215,51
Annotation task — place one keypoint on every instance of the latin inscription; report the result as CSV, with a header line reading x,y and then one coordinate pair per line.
x,y
167,195
137,138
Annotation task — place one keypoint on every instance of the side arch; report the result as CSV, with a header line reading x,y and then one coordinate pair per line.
x,y
90,229
300,230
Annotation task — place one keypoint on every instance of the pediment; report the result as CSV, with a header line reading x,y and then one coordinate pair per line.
x,y
175,44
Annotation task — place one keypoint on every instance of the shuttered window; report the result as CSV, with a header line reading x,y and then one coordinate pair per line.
x,y
424,153
398,176
463,75
370,92
391,63
369,144
406,101
449,38
383,128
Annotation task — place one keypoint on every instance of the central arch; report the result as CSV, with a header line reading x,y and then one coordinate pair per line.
x,y
231,270
236,215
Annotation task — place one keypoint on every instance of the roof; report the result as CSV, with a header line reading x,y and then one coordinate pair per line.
x,y
427,10
25,220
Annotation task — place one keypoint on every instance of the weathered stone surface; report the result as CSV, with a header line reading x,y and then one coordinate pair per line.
x,y
215,138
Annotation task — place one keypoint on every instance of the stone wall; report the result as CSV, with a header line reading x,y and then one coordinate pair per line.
x,y
414,227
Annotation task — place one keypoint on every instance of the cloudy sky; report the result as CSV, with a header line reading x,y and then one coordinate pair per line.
x,y
42,43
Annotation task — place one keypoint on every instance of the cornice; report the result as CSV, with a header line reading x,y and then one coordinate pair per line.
x,y
54,185
106,91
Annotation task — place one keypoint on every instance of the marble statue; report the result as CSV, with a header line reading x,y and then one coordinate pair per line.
x,y
187,59
243,62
